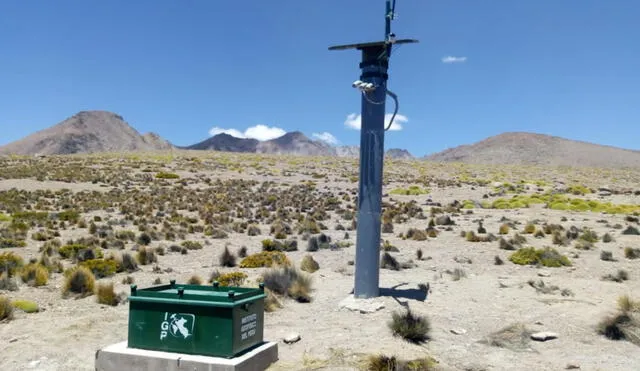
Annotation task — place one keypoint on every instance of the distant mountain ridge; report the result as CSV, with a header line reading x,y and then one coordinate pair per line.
x,y
538,149
87,132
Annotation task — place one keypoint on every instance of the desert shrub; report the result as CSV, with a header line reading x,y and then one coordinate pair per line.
x,y
144,239
11,242
235,279
387,246
308,264
387,261
271,302
631,253
631,230
589,236
105,294
411,191
539,234
165,175
560,239
416,234
290,282
313,244
419,254
79,281
411,327
71,251
620,276
253,230
387,227
606,238
457,274
192,245
7,283
128,280
146,255
530,228
385,363
274,245
547,257
242,252
10,263
101,267
129,264
578,190
504,229
584,245
216,233
26,306
625,324
606,256
227,259
506,245
6,309
72,216
195,280
34,274
497,260
265,259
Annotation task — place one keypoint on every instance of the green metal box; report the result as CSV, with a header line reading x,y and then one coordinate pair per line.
x,y
193,319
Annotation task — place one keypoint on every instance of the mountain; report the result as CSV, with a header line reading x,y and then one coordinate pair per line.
x,y
295,143
398,153
348,151
538,149
226,143
87,132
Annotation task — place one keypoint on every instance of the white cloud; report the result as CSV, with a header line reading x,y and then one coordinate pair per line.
x,y
354,121
452,59
326,137
259,132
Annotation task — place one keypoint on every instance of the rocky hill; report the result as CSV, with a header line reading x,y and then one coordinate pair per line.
x,y
87,132
538,149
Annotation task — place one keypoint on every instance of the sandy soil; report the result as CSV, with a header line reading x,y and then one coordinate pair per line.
x,y
66,333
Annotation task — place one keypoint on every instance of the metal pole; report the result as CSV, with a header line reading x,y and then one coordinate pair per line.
x,y
367,271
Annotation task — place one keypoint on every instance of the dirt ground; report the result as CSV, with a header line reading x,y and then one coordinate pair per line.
x,y
66,333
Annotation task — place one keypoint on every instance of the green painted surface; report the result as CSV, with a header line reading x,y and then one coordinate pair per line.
x,y
193,319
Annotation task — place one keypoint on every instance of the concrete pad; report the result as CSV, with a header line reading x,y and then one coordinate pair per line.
x,y
361,305
118,357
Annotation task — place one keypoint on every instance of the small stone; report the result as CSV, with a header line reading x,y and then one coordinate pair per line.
x,y
544,336
458,331
13,340
292,338
462,260
544,274
572,366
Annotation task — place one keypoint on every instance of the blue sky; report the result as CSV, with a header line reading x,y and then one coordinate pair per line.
x,y
183,68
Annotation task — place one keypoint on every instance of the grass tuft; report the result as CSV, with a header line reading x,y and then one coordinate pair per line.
x,y
411,327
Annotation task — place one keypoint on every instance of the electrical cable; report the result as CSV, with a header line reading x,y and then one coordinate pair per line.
x,y
395,111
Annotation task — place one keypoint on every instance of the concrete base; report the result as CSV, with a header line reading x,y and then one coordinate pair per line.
x,y
118,357
361,305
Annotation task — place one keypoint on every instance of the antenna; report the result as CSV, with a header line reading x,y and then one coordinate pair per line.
x,y
373,88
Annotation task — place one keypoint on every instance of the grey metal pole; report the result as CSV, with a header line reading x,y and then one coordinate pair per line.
x,y
367,271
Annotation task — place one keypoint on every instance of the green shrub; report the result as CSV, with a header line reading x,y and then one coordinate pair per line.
x,y
385,363
411,191
631,253
192,245
146,255
106,295
416,234
100,267
69,216
308,264
195,280
265,259
504,229
164,175
70,251
234,279
79,281
26,306
410,327
10,263
11,242
34,274
547,257
530,228
6,309
274,245
4,218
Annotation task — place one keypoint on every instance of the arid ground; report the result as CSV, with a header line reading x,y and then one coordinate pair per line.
x,y
174,215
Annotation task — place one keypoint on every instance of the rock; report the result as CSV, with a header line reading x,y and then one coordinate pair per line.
x,y
458,331
462,260
361,305
544,336
544,274
292,338
572,366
